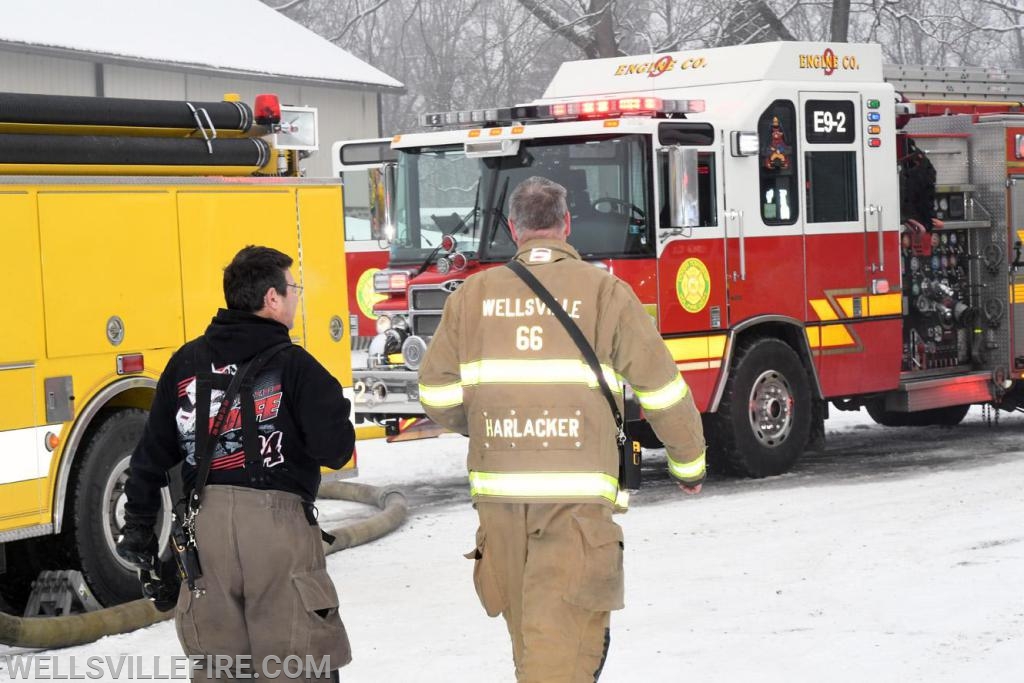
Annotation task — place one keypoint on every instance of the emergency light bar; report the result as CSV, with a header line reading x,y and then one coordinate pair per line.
x,y
565,111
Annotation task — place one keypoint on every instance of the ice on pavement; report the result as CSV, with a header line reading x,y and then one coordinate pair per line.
x,y
897,555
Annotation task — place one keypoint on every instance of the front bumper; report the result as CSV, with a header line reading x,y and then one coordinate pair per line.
x,y
386,392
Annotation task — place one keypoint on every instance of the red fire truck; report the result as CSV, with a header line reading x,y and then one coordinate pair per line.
x,y
805,227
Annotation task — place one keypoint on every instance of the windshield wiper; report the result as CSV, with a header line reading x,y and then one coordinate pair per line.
x,y
463,223
498,213
489,234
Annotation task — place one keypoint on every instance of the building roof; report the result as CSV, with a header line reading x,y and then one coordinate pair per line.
x,y
236,36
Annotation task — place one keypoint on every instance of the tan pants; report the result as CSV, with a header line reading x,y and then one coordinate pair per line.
x,y
554,571
266,592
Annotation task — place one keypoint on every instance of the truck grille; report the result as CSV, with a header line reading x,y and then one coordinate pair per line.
x,y
426,306
425,325
429,299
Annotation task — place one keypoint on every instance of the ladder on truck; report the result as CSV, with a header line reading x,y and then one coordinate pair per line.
x,y
977,90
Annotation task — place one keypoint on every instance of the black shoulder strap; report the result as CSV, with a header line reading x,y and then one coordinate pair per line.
x,y
244,376
577,336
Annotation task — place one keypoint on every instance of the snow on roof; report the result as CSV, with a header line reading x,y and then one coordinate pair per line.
x,y
236,35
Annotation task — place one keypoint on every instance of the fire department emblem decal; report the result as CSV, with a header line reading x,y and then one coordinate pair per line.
x,y
366,297
693,285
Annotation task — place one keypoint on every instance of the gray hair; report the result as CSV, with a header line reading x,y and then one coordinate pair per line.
x,y
537,204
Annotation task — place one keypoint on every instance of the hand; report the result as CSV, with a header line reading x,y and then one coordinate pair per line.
x,y
161,585
137,545
690,490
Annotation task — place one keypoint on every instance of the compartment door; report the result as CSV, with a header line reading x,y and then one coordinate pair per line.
x,y
213,225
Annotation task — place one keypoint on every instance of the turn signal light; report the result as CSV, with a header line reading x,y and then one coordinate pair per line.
x,y
51,441
390,281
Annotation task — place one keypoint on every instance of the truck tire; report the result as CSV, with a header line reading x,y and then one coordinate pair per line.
x,y
950,416
763,422
96,508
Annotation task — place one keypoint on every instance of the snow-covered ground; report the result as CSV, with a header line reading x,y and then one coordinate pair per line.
x,y
895,555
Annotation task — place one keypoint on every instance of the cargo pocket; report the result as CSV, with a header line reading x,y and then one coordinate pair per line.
x,y
185,623
317,630
488,588
598,581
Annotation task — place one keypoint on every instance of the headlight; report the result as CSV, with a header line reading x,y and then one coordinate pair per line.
x,y
383,324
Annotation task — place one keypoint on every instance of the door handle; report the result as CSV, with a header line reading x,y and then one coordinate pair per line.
x,y
876,211
737,215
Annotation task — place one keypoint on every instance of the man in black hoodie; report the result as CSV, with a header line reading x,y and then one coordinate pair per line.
x,y
265,594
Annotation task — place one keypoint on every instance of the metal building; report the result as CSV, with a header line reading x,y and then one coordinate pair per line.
x,y
190,50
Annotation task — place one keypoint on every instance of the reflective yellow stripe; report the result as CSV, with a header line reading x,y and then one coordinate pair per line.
x,y
885,304
696,348
688,470
669,395
441,397
547,371
544,484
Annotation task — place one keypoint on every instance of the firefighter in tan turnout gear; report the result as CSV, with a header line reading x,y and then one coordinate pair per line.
x,y
543,457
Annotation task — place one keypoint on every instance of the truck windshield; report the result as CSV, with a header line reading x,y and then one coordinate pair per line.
x,y
442,191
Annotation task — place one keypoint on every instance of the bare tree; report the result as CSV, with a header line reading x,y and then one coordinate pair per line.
x,y
590,28
840,25
461,54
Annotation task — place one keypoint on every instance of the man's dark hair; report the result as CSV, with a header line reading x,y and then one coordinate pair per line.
x,y
537,204
251,273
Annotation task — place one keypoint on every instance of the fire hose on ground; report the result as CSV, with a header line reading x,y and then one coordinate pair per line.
x,y
79,629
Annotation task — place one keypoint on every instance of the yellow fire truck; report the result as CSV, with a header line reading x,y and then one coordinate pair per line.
x,y
118,216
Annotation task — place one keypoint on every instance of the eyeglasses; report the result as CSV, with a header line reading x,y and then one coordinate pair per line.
x,y
298,288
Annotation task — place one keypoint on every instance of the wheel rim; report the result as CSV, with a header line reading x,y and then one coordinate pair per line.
x,y
113,511
771,408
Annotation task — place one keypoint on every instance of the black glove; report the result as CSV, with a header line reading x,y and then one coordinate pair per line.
x,y
161,585
137,545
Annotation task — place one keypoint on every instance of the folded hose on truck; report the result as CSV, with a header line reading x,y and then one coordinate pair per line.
x,y
79,629
121,155
22,112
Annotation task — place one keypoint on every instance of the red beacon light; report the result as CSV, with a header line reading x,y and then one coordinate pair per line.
x,y
267,110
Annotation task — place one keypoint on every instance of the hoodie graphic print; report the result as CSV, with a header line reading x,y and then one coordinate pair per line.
x,y
228,453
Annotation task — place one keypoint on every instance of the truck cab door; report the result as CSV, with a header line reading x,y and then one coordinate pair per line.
x,y
359,164
762,215
852,317
835,224
691,263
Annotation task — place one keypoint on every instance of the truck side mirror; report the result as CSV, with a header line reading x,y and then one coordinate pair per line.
x,y
683,201
387,199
